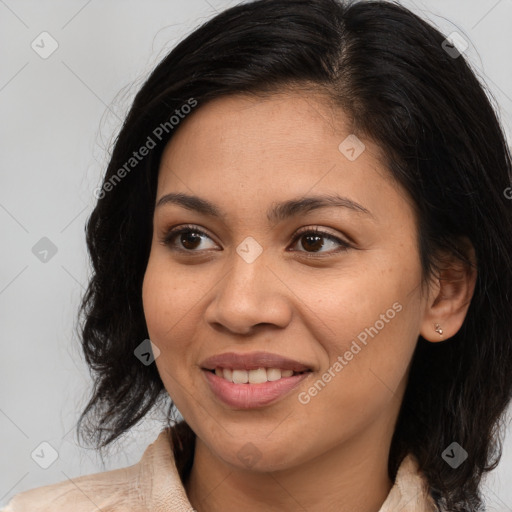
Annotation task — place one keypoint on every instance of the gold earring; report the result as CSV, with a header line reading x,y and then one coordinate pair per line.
x,y
438,329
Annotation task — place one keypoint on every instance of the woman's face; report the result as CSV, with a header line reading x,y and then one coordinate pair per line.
x,y
345,302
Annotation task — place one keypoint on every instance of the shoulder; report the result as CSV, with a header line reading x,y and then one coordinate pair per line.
x,y
410,490
130,489
81,494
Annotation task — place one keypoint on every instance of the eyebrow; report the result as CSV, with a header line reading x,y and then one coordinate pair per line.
x,y
278,211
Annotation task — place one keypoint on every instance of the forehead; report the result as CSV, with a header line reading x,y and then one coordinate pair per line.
x,y
250,150
273,119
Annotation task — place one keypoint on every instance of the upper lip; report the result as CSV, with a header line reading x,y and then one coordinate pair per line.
x,y
252,361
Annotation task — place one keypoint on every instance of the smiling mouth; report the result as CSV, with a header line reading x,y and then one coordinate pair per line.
x,y
256,376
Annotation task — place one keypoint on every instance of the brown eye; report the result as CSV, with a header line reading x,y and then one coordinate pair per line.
x,y
188,237
312,240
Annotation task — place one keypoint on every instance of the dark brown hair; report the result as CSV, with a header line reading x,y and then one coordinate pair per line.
x,y
388,70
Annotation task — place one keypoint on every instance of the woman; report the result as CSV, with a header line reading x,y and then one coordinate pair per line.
x,y
310,223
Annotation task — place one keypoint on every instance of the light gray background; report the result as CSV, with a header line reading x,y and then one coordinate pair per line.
x,y
58,118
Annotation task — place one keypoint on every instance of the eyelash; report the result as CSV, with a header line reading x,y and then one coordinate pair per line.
x,y
172,233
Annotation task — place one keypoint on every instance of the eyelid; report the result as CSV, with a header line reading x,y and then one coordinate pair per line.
x,y
171,232
319,231
344,245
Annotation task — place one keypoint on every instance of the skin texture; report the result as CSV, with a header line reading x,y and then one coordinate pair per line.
x,y
244,154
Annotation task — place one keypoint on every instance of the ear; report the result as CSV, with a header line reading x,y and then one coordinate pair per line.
x,y
450,294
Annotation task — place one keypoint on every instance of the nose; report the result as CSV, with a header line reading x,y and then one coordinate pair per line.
x,y
248,296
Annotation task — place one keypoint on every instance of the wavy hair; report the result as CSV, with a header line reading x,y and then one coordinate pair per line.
x,y
388,70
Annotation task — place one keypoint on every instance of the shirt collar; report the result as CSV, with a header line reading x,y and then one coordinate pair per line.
x,y
160,463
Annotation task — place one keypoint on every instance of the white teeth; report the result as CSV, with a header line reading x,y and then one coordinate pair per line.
x,y
273,374
258,376
240,376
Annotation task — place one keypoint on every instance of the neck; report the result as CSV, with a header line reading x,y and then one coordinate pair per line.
x,y
346,478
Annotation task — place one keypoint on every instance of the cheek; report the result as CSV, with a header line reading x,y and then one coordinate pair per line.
x,y
368,333
165,305
166,311
156,303
167,294
364,380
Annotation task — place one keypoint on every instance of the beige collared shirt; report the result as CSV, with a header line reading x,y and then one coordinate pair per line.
x,y
154,485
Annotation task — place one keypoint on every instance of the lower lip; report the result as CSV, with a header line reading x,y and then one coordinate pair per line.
x,y
249,396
